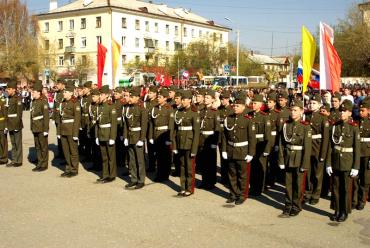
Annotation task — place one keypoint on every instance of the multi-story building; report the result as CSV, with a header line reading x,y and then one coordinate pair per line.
x,y
145,31
365,8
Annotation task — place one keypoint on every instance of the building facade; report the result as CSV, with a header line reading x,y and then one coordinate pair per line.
x,y
145,31
365,8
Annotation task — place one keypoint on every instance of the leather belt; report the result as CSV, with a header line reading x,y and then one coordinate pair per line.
x,y
208,132
185,128
119,118
161,128
68,121
239,144
38,118
294,148
344,149
316,136
108,125
259,136
86,115
135,129
273,133
12,115
365,139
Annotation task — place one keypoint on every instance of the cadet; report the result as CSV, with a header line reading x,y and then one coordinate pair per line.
x,y
134,132
14,123
185,142
284,111
294,157
93,116
3,133
159,134
238,148
343,161
171,96
85,141
199,99
362,183
70,119
119,106
149,104
208,140
58,99
175,157
334,111
106,133
320,140
39,114
263,134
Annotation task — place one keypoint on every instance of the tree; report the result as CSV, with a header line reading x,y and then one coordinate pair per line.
x,y
83,66
18,46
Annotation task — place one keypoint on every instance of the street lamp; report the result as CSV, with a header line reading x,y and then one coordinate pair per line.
x,y
237,49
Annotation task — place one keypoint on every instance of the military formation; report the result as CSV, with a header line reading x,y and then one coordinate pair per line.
x,y
263,138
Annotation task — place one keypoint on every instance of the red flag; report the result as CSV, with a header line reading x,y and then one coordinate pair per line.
x,y
335,64
101,62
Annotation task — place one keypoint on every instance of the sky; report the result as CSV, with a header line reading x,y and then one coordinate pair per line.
x,y
271,27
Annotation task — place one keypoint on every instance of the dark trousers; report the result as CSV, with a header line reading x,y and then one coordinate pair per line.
x,y
314,179
258,170
136,163
342,184
70,151
187,171
42,152
108,155
274,173
17,151
239,175
59,141
361,183
85,144
120,154
152,156
207,161
3,147
163,157
224,172
294,186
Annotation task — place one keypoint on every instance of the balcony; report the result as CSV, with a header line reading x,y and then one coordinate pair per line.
x,y
69,49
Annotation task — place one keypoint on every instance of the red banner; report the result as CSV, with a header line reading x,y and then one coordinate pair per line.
x,y
101,62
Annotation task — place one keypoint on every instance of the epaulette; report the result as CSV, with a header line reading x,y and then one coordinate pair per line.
x,y
123,101
140,104
194,108
167,106
353,123
322,114
247,116
332,122
74,99
109,102
213,109
277,110
307,111
263,113
305,122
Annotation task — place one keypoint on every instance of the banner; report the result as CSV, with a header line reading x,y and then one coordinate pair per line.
x,y
308,56
101,62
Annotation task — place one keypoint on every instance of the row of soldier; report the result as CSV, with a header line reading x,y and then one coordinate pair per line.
x,y
257,147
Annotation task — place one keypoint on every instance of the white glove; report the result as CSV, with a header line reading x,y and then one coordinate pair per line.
x,y
75,138
265,154
46,134
224,155
121,138
353,173
276,148
97,141
192,155
80,128
6,131
329,170
168,143
139,143
282,167
111,142
151,141
175,151
125,142
213,146
58,136
16,130
248,158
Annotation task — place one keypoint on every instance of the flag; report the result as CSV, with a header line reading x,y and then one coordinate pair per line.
x,y
300,72
116,54
330,63
101,62
308,56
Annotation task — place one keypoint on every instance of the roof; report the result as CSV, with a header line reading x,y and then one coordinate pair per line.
x,y
262,59
282,60
138,6
363,5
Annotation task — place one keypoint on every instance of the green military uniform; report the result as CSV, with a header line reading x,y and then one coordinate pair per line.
x,y
320,139
15,126
39,114
160,131
134,132
238,148
149,105
343,162
119,107
85,141
334,112
3,133
93,117
175,157
70,119
58,99
185,143
294,156
106,133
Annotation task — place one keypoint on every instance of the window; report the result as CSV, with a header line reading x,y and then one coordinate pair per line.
x,y
124,59
99,39
137,42
156,60
60,43
123,42
176,30
71,24
46,45
193,33
124,22
137,59
83,60
167,45
72,42
98,22
83,42
167,29
61,61
146,26
46,30
47,62
177,46
72,60
60,26
200,33
148,43
156,27
155,43
83,23
137,24
185,32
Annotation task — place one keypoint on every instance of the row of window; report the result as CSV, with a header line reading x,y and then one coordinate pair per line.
x,y
83,24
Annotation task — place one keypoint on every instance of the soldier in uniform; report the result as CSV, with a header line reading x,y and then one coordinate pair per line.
x,y
334,111
294,157
93,116
70,119
263,134
208,140
284,111
106,133
160,131
171,96
362,182
185,142
14,123
343,161
85,141
320,139
3,133
199,99
119,106
175,157
39,114
135,130
238,148
58,99
149,104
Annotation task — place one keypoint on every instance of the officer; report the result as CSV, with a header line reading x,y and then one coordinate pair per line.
x,y
39,114
362,182
186,141
85,142
93,116
149,104
320,139
135,130
334,111
70,119
3,133
106,130
343,161
263,134
58,99
161,126
208,140
294,157
14,123
118,104
238,148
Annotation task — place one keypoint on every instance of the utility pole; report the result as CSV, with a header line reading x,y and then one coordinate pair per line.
x,y
237,56
272,43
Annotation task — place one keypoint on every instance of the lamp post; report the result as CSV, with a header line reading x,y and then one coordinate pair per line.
x,y
237,50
